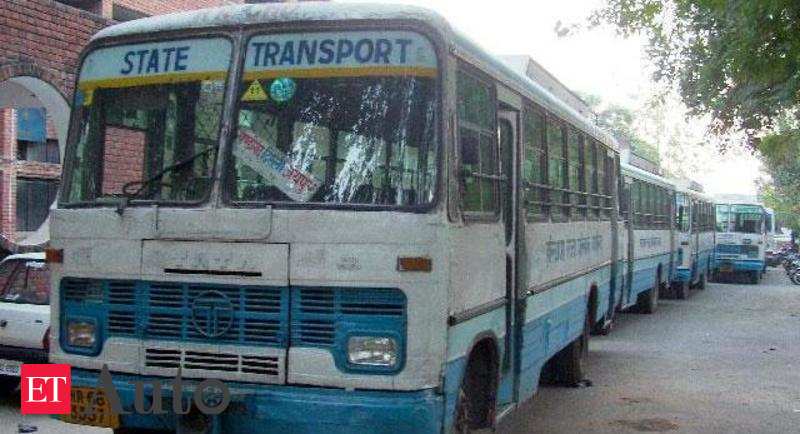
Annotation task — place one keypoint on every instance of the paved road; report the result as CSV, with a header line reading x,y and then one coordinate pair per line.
x,y
725,361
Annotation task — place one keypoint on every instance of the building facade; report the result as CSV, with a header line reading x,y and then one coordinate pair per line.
x,y
41,42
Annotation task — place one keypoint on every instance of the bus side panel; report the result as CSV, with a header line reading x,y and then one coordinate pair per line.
x,y
651,250
553,319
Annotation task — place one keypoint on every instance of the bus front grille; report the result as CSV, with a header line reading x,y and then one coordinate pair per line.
x,y
220,314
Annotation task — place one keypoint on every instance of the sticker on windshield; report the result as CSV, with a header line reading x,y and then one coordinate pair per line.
x,y
340,54
269,162
254,93
282,89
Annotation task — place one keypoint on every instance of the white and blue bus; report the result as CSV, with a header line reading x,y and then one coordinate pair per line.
x,y
353,216
647,206
741,240
694,232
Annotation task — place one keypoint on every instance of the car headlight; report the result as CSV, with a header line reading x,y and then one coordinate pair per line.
x,y
81,333
372,351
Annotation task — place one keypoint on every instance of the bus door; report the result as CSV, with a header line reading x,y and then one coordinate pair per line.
x,y
508,128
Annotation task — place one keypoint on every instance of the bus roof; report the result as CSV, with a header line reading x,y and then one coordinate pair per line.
x,y
689,187
638,173
264,13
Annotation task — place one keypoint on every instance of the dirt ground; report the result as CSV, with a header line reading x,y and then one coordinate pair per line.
x,y
727,360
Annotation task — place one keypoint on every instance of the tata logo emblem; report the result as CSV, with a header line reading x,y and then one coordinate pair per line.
x,y
212,314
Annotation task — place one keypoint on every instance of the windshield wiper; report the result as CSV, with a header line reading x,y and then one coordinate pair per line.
x,y
126,189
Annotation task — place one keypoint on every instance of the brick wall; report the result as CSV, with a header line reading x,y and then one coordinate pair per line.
x,y
123,160
156,7
47,36
8,173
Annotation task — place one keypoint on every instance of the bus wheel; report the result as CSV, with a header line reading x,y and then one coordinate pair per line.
x,y
682,290
648,301
701,284
476,395
569,362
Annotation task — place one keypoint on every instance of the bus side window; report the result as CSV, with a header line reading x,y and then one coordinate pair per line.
x,y
590,159
574,169
478,143
557,168
534,164
608,176
599,176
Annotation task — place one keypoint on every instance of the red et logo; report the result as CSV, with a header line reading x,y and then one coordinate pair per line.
x,y
45,389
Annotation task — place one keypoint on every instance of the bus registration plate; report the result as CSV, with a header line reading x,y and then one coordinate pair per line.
x,y
90,407
9,367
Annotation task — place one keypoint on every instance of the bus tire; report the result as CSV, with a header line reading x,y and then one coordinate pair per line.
x,y
648,301
682,290
569,362
475,402
701,283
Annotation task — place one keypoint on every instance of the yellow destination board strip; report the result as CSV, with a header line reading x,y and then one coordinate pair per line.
x,y
115,83
375,71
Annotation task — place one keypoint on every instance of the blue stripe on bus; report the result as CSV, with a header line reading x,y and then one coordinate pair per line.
x,y
743,264
284,408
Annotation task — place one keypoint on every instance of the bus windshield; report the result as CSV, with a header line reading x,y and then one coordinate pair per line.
x,y
148,117
747,218
348,119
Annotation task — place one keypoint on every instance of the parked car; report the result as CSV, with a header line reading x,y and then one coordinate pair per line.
x,y
24,314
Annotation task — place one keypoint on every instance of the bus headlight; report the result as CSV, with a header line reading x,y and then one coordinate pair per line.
x,y
372,351
81,333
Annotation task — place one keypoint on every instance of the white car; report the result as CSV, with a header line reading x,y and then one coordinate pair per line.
x,y
24,314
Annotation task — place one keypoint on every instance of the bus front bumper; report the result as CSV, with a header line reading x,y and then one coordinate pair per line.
x,y
683,275
286,409
739,265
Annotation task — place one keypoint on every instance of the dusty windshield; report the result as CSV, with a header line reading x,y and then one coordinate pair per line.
x,y
339,118
148,118
747,218
25,282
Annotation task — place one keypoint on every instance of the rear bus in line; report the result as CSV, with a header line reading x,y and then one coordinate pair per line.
x,y
694,220
741,240
646,201
352,215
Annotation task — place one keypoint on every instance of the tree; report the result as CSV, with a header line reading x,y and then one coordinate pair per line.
x,y
736,60
620,122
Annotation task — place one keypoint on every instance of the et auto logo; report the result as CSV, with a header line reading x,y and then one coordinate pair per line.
x,y
45,389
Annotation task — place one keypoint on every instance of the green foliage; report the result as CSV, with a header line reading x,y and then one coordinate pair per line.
x,y
737,60
780,153
619,121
